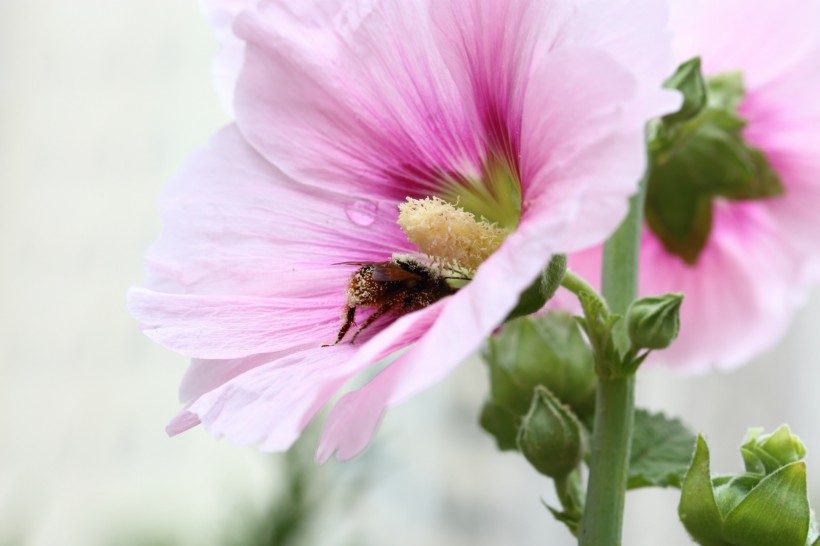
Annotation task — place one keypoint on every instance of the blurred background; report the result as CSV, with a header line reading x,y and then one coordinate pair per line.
x,y
100,103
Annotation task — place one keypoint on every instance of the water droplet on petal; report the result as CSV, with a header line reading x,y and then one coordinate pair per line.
x,y
362,212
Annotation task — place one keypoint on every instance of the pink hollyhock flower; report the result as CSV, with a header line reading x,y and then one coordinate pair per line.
x,y
760,255
528,113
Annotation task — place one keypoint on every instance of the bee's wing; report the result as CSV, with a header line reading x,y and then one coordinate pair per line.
x,y
390,272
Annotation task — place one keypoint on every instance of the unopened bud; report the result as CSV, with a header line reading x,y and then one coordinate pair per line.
x,y
654,322
550,436
749,509
766,453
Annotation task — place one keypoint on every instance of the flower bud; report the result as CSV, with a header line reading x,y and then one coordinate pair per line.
x,y
550,436
654,322
765,453
749,509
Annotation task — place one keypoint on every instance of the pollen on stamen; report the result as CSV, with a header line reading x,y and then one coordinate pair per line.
x,y
448,234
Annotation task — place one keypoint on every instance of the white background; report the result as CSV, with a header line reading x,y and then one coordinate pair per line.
x,y
100,102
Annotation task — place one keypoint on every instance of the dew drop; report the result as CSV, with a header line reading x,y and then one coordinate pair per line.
x,y
362,212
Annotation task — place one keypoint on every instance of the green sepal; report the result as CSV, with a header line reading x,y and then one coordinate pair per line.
x,y
542,290
501,424
698,510
814,533
775,512
731,490
677,213
631,367
654,322
550,436
572,494
661,451
571,520
698,154
688,79
598,323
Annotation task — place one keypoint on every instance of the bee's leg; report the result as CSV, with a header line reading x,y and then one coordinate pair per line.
x,y
349,314
372,318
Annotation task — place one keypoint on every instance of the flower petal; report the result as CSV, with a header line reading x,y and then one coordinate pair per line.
x,y
205,375
235,225
363,105
229,58
764,39
489,48
232,327
271,403
784,122
578,149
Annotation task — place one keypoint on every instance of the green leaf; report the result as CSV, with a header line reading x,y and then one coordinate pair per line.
x,y
548,350
689,81
661,451
501,424
775,512
698,510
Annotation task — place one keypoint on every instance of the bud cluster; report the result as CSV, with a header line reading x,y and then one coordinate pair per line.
x,y
766,505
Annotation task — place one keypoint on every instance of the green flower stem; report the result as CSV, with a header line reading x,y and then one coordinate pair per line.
x,y
615,402
570,490
578,286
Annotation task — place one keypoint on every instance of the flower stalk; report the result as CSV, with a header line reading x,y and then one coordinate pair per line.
x,y
602,521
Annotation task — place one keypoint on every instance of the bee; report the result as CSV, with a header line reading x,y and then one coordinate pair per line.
x,y
400,286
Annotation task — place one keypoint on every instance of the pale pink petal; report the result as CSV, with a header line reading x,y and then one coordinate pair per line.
x,y
763,38
235,225
784,122
205,375
231,54
601,157
272,402
364,106
630,31
233,326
